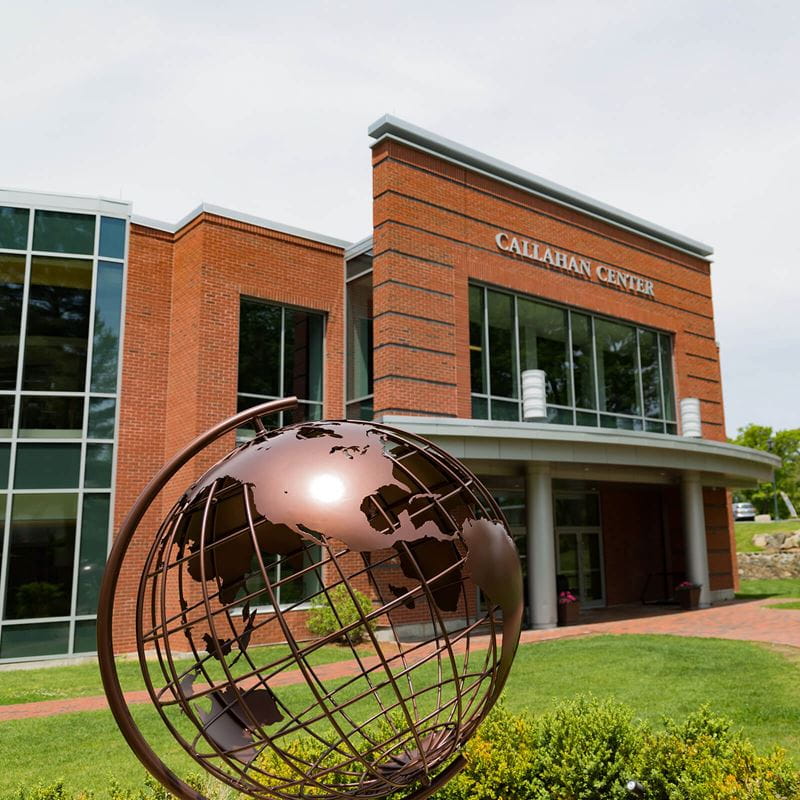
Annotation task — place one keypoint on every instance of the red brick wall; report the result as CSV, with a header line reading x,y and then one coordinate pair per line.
x,y
180,349
435,227
435,224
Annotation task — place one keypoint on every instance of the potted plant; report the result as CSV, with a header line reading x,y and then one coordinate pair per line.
x,y
688,595
569,607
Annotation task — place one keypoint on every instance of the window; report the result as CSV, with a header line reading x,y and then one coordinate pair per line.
x,y
60,336
359,348
280,354
599,372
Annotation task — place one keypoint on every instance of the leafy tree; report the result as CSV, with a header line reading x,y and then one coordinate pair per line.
x,y
785,445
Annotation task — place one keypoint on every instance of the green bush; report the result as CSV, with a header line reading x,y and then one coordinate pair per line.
x,y
322,621
703,759
587,749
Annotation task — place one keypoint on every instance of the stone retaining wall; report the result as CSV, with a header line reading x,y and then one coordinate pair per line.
x,y
759,566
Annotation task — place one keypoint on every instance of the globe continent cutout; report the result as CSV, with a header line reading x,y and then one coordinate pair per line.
x,y
313,513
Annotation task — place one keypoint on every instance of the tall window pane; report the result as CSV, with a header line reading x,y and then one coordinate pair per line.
x,y
259,348
107,320
94,544
40,556
583,361
617,367
14,228
502,350
544,344
58,325
665,347
12,278
476,340
302,354
62,232
359,337
651,381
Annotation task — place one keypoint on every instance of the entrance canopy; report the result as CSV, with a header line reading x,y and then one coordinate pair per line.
x,y
494,446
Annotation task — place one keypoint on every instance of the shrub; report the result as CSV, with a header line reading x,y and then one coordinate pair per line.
x,y
586,749
703,759
323,621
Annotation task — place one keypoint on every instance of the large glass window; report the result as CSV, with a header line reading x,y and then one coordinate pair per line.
x,y
60,331
280,354
599,372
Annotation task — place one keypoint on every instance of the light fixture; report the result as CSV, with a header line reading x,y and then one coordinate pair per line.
x,y
691,423
534,394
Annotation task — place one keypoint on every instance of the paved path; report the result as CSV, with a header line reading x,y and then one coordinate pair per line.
x,y
746,620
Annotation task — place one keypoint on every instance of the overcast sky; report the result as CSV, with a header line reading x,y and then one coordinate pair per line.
x,y
684,113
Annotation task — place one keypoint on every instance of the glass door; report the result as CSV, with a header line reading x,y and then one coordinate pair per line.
x,y
579,546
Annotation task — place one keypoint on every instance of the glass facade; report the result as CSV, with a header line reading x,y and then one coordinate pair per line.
x,y
280,354
61,282
599,372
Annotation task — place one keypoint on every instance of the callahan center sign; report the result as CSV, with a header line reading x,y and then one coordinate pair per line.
x,y
536,251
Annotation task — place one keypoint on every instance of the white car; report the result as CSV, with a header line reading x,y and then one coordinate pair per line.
x,y
742,511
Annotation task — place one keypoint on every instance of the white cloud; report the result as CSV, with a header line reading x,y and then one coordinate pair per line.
x,y
680,112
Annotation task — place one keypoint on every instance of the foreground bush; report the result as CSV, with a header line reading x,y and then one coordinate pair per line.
x,y
586,749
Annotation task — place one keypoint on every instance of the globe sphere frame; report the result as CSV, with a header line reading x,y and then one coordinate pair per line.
x,y
412,761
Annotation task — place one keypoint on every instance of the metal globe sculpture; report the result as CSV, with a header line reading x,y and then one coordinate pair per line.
x,y
320,513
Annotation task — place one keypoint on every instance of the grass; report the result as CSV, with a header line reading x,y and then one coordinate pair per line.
x,y
83,680
771,587
745,531
655,675
791,606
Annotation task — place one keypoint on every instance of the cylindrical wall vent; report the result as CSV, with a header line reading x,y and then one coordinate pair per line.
x,y
534,394
691,424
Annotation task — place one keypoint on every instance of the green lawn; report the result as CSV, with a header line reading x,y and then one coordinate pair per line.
x,y
745,531
772,587
655,675
83,680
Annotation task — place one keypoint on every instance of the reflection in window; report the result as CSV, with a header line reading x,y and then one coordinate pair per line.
x,y
41,556
62,232
616,367
107,316
56,338
280,354
359,347
50,417
502,350
544,344
94,545
600,372
14,228
12,278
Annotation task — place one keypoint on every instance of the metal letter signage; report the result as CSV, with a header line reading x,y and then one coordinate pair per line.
x,y
580,267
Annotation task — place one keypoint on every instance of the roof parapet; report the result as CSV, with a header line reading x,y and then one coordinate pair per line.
x,y
391,127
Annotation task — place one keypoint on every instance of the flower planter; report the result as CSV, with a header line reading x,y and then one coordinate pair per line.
x,y
688,598
568,613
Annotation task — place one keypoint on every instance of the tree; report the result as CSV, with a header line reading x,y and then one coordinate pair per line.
x,y
785,445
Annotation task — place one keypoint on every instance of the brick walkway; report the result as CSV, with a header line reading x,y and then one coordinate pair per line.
x,y
747,620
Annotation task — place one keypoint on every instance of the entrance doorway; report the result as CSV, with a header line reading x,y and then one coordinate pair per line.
x,y
579,546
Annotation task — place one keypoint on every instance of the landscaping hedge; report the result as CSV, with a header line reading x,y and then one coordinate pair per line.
x,y
585,749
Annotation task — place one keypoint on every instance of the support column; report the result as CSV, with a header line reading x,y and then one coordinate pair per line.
x,y
694,531
541,546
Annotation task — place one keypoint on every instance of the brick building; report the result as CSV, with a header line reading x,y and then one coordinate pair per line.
x,y
122,338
